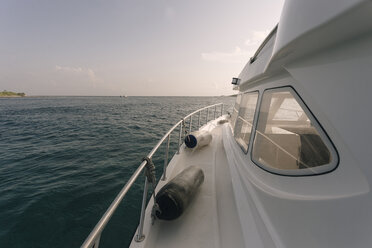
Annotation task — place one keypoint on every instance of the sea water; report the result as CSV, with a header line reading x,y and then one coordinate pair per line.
x,y
64,159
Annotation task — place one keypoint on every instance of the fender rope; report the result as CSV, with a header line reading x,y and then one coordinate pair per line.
x,y
151,178
150,170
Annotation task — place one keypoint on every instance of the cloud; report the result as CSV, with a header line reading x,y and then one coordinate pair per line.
x,y
238,55
256,38
77,71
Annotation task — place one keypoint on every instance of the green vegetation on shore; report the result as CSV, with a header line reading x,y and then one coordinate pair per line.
x,y
11,94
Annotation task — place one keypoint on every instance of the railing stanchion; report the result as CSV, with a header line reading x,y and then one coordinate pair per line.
x,y
190,124
221,109
166,159
140,236
180,138
215,109
199,119
96,242
207,115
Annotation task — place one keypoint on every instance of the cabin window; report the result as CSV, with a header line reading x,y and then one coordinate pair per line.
x,y
235,111
244,121
288,140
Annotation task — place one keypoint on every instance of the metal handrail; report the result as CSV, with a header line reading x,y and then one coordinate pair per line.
x,y
92,241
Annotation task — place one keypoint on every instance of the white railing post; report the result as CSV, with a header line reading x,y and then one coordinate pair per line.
x,y
180,139
199,119
166,159
190,124
207,115
140,236
96,242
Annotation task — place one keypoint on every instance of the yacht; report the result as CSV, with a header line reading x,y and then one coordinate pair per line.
x,y
289,166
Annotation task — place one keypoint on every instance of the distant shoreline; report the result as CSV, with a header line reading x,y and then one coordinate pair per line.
x,y
57,96
11,94
35,96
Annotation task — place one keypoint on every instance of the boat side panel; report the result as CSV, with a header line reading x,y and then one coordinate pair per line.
x,y
338,81
334,209
256,68
303,31
300,16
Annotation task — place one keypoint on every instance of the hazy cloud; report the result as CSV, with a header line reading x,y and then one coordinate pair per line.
x,y
256,38
238,55
78,71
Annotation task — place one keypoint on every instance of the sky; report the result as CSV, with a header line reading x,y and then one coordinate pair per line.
x,y
129,47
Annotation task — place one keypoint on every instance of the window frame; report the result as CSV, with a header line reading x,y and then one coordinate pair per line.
x,y
253,122
232,125
318,170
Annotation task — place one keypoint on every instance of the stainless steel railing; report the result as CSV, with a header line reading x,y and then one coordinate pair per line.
x,y
92,241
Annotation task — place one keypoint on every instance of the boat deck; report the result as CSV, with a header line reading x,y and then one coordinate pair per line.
x,y
211,220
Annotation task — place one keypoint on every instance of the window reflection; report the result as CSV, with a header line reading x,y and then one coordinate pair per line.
x,y
235,112
244,122
286,138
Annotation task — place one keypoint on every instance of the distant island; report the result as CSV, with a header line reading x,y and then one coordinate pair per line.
x,y
11,94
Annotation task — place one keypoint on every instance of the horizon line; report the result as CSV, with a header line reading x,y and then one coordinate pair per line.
x,y
127,95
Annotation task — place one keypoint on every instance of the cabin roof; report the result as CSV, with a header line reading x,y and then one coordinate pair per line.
x,y
307,27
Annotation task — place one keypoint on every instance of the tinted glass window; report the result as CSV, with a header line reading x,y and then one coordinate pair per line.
x,y
234,114
286,137
244,121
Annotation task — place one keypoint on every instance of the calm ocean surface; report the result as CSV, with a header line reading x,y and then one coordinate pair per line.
x,y
64,159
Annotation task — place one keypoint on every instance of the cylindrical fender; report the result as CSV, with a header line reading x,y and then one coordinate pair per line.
x,y
198,139
177,194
